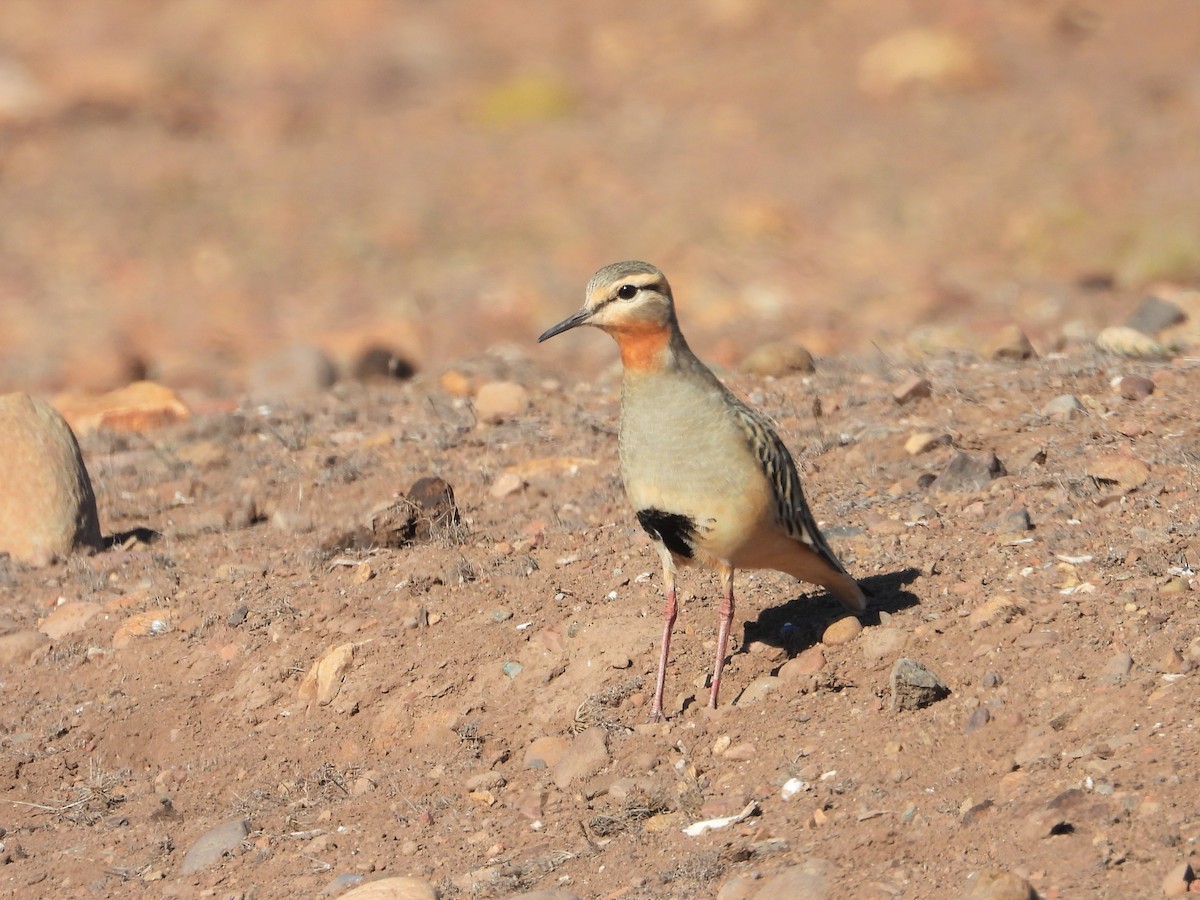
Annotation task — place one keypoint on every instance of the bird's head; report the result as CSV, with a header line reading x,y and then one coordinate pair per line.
x,y
626,299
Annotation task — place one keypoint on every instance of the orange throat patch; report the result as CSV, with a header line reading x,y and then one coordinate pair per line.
x,y
643,350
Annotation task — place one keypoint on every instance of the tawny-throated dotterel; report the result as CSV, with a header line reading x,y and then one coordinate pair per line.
x,y
708,478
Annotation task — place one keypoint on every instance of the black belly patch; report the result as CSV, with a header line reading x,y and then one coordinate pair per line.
x,y
674,530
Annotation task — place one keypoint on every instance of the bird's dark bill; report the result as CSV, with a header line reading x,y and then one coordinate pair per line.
x,y
565,325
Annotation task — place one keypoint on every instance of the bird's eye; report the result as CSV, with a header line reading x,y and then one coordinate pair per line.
x,y
627,291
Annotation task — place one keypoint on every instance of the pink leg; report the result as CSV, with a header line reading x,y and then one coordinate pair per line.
x,y
669,610
725,620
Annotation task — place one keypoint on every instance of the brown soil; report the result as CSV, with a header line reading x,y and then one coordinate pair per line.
x,y
195,185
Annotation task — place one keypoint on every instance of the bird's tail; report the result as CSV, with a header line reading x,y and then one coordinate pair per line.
x,y
848,592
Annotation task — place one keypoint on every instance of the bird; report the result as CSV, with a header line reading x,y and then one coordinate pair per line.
x,y
708,478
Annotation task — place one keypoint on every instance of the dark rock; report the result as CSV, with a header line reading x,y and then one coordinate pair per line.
x,y
968,473
914,686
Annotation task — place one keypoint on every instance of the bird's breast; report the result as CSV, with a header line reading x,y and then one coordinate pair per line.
x,y
683,453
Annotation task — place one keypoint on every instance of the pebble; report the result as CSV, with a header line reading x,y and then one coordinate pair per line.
x,y
1013,521
394,888
777,359
1064,408
757,690
549,894
1010,342
914,686
343,881
1178,881
512,669
842,631
378,362
1133,387
914,389
68,619
138,407
507,484
924,441
809,662
212,846
808,881
545,752
993,885
968,473
1120,340
1122,469
294,373
978,719
587,755
324,679
498,401
47,507
1154,315
144,624
939,58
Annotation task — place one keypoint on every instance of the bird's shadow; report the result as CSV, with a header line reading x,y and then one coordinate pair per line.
x,y
799,623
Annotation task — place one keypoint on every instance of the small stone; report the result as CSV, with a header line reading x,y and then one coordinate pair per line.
x,y
545,752
377,362
1123,470
1064,408
324,680
144,624
1171,663
741,752
924,441
294,373
506,484
809,662
915,388
214,845
1154,315
842,631
343,881
1178,881
808,881
68,619
47,507
992,885
1134,387
757,690
512,669
586,756
394,888
454,382
547,894
914,686
1010,342
777,359
139,407
1121,340
978,719
1014,521
942,59
498,401
968,473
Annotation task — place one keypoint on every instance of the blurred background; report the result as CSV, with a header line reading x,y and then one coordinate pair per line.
x,y
186,187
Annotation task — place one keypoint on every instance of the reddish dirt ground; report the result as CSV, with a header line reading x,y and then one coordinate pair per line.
x,y
189,188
